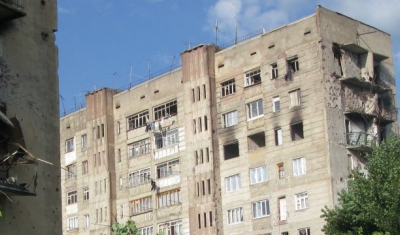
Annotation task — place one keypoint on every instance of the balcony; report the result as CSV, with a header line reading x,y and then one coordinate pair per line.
x,y
360,141
364,84
11,9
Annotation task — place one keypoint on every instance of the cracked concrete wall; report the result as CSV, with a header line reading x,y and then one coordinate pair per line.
x,y
29,87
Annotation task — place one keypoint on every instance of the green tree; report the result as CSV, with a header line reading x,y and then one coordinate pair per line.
x,y
372,203
129,228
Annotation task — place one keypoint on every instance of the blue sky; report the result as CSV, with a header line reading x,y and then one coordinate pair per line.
x,y
101,40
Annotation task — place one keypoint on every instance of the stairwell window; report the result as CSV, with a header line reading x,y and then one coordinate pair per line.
x,y
228,88
252,77
255,109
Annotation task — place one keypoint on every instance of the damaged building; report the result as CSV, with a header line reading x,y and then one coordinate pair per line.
x,y
252,138
29,118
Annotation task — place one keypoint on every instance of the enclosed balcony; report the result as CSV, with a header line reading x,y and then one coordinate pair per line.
x,y
11,9
360,141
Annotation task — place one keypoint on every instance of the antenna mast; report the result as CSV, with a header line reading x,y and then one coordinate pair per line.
x,y
216,32
130,78
234,16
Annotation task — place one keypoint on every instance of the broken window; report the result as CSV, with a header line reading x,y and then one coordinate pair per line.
x,y
139,148
299,166
230,119
85,193
139,177
256,141
163,140
84,141
141,205
304,231
169,198
293,64
294,98
71,171
258,175
281,170
276,104
138,120
296,131
274,70
231,150
235,216
255,109
253,77
72,197
85,167
167,169
69,145
232,183
228,87
278,137
166,110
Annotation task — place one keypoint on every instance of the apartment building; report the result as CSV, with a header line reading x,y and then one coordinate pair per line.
x,y
29,118
253,138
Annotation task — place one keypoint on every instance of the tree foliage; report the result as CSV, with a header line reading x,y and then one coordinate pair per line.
x,y
372,203
129,228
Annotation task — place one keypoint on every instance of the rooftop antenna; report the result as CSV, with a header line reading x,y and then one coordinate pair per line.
x,y
189,45
216,32
172,63
234,16
148,67
62,101
130,78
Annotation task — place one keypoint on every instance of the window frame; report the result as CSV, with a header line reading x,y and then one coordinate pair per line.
x,y
74,222
262,171
169,198
164,109
232,183
85,167
72,197
252,77
146,230
298,100
230,118
86,193
301,201
142,176
235,216
228,88
256,210
275,100
71,171
139,148
274,71
299,166
137,120
259,112
141,205
164,140
293,64
84,141
165,169
173,227
69,145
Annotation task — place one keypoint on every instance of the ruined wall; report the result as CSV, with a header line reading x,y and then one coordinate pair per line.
x,y
29,87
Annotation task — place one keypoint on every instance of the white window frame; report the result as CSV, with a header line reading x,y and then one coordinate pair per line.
x,y
69,145
169,198
72,197
146,230
304,231
258,175
249,77
293,64
139,177
84,140
139,148
167,169
171,227
276,104
85,167
228,88
164,140
260,209
278,137
299,166
164,110
141,205
71,171
138,120
232,183
274,71
255,109
72,223
230,118
85,193
301,201
86,220
235,215
121,183
294,98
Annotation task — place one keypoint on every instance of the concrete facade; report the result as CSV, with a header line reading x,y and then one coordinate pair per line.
x,y
255,138
29,95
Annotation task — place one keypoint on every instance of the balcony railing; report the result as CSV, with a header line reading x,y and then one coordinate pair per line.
x,y
11,9
361,141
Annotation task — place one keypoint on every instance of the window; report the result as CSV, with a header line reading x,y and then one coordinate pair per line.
x,y
232,183
200,125
85,167
97,215
102,130
294,98
301,201
72,197
98,132
209,186
138,120
278,137
167,139
139,148
139,177
258,175
252,77
299,166
256,141
85,193
235,216
121,211
196,160
281,170
231,150
282,208
168,168
293,64
141,205
119,155
72,223
118,128
71,171
121,183
255,109
101,214
274,70
84,141
210,216
198,93
171,227
205,123
95,188
304,231
146,230
199,220
205,219
86,221
194,126
228,87
203,187
201,156
296,131
276,104
230,119
284,233
165,110
208,154
169,198
204,91
95,160
69,145
260,209
193,96
105,213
